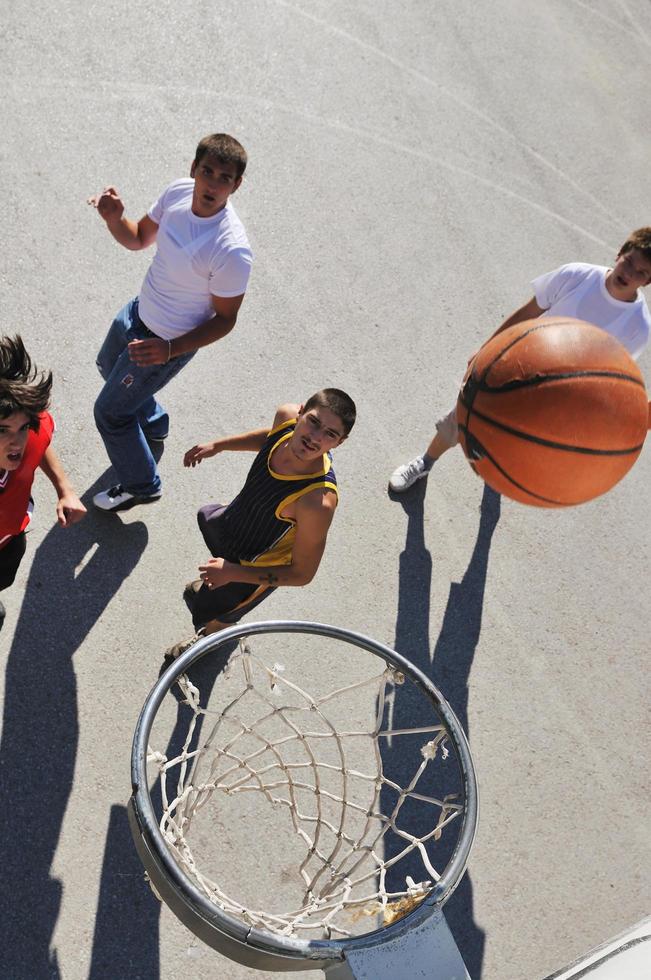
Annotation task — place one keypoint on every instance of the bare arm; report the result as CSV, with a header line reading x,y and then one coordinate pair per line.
x,y
134,235
226,310
69,507
529,311
246,442
314,513
286,412
158,351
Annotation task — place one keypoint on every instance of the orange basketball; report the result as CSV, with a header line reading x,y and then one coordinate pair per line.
x,y
553,412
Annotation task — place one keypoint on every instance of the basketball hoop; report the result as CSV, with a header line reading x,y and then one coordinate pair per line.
x,y
374,818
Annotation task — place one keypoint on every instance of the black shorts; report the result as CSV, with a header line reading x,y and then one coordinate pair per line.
x,y
10,558
231,601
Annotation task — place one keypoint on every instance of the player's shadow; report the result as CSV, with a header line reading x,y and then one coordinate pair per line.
x,y
449,668
126,940
74,574
125,943
203,676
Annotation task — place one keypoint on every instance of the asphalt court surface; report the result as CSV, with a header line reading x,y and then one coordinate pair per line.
x,y
412,168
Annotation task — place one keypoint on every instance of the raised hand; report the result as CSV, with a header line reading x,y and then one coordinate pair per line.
x,y
109,204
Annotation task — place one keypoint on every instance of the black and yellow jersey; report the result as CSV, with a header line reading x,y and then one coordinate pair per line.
x,y
253,530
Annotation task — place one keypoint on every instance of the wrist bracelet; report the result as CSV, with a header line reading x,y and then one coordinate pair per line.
x,y
169,351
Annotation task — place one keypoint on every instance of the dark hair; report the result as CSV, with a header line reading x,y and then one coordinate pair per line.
x,y
22,387
224,148
336,401
641,240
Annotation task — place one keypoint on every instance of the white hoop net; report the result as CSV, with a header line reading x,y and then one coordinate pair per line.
x,y
348,845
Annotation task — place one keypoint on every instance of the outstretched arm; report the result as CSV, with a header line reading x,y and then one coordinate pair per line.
x,y
246,442
131,234
69,507
314,513
529,311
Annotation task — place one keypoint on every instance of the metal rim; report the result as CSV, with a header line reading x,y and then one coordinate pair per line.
x,y
267,942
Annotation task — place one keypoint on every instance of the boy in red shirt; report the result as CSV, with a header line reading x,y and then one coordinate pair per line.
x,y
26,429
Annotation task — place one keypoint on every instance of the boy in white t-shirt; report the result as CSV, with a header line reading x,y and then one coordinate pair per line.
x,y
609,298
190,297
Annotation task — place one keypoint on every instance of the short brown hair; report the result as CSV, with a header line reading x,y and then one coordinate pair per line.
x,y
22,387
336,401
224,148
641,240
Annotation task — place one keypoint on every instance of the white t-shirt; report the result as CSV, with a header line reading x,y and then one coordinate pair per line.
x,y
196,258
579,290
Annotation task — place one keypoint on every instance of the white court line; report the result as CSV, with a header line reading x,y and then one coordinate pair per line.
x,y
86,559
639,30
638,34
130,88
456,98
455,169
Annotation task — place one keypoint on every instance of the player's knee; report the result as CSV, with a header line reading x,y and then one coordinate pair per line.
x,y
107,418
448,430
103,368
102,416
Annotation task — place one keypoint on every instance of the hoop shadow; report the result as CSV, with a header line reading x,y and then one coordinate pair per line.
x,y
449,668
64,598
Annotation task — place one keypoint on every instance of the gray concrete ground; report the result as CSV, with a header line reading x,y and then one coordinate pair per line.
x,y
413,166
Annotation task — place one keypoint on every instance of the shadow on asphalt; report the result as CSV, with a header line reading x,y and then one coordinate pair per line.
x,y
40,728
126,940
448,666
39,740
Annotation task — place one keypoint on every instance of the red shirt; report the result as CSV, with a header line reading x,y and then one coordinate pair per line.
x,y
16,486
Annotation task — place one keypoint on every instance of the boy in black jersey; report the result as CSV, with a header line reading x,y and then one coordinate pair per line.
x,y
274,532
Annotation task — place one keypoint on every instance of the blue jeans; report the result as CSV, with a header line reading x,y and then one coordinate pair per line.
x,y
126,412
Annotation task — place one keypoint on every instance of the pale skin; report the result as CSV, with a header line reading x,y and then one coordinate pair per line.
x,y
317,431
632,271
14,431
214,183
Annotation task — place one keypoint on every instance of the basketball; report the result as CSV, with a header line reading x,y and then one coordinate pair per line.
x,y
553,412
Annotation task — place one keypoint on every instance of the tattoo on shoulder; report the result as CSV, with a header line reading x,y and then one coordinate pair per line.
x,y
269,577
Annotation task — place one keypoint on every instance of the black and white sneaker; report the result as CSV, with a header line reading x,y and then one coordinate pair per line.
x,y
117,498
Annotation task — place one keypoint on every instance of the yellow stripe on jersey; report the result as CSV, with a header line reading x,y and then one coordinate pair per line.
x,y
279,554
281,551
283,425
290,498
325,460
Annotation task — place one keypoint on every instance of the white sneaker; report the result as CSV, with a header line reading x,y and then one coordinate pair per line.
x,y
117,498
408,474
